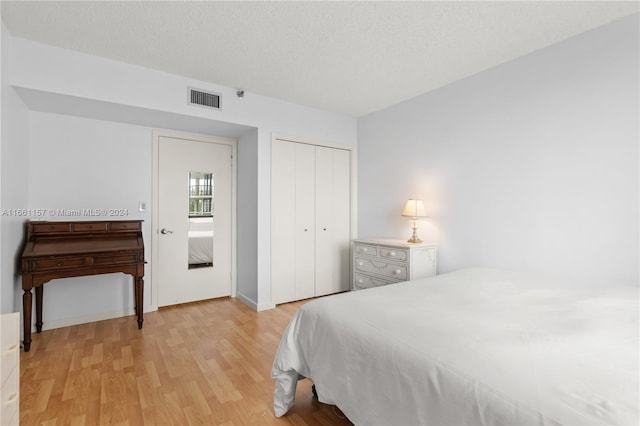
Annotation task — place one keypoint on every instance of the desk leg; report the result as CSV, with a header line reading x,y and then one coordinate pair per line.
x,y
26,319
39,295
139,293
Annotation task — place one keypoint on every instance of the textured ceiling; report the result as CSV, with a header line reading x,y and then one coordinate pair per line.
x,y
348,57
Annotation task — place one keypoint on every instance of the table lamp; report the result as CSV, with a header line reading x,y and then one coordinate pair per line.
x,y
414,209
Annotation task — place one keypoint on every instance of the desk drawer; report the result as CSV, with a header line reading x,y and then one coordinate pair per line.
x,y
89,226
117,259
392,271
129,226
69,262
50,227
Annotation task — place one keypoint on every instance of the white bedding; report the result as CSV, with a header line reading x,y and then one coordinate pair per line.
x,y
200,247
472,347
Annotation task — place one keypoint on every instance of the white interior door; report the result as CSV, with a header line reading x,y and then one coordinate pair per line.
x,y
333,200
292,221
283,218
194,221
305,221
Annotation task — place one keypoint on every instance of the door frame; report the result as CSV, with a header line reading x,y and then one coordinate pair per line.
x,y
155,228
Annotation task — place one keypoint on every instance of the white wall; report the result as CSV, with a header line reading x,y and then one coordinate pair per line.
x,y
2,88
79,163
532,165
247,210
14,178
75,97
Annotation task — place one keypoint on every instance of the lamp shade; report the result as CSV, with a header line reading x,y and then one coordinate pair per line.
x,y
414,208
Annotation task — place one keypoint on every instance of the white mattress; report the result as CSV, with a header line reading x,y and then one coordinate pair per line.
x,y
200,247
473,347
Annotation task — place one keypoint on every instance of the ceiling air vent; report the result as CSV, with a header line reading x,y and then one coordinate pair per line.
x,y
205,99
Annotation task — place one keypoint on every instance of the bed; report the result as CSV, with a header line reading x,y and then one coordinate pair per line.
x,y
200,247
472,347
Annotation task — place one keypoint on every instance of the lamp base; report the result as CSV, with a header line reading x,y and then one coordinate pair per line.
x,y
414,237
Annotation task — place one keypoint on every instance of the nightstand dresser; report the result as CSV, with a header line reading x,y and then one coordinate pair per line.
x,y
382,261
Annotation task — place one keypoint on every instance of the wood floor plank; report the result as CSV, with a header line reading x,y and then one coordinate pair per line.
x,y
204,363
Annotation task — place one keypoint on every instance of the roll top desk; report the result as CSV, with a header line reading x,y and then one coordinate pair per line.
x,y
71,249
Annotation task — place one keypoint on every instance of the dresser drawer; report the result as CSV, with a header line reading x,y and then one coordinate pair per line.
x,y
10,355
398,255
10,368
365,249
361,282
9,345
10,398
396,272
115,259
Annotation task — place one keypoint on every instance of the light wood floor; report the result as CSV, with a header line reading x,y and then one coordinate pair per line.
x,y
203,363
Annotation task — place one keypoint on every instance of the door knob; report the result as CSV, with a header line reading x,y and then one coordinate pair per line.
x,y
165,231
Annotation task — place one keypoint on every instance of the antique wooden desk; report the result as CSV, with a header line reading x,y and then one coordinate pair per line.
x,y
71,249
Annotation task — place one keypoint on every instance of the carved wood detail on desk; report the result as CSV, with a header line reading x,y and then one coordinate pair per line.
x,y
72,249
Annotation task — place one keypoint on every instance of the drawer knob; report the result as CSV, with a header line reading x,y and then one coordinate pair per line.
x,y
397,271
365,249
60,263
393,253
360,280
360,263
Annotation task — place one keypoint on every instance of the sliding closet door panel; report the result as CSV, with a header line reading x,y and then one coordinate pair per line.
x,y
283,217
342,218
333,192
305,208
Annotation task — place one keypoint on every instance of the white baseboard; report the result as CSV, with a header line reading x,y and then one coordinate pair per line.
x,y
101,316
253,304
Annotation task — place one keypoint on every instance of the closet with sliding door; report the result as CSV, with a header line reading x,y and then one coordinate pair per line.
x,y
310,220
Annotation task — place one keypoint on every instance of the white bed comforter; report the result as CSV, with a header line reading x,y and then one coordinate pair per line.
x,y
200,247
473,347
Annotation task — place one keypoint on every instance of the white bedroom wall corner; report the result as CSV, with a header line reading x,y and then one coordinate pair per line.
x,y
263,297
247,251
